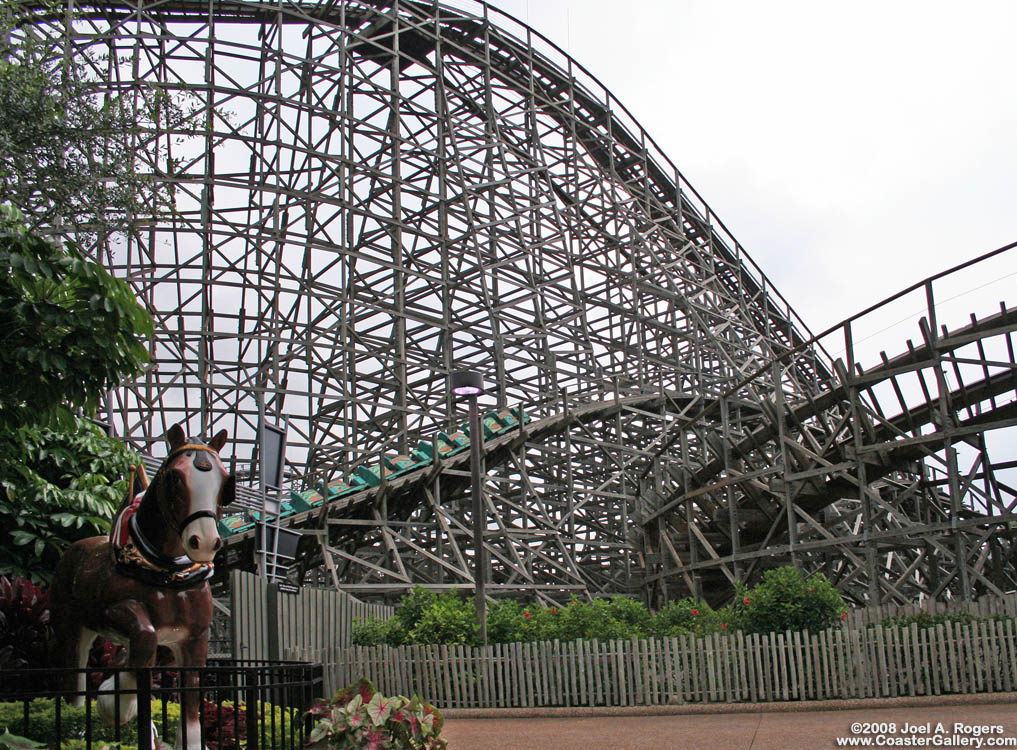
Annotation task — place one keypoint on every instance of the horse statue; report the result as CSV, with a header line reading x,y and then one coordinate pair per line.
x,y
147,583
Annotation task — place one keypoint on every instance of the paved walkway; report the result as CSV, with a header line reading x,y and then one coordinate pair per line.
x,y
767,727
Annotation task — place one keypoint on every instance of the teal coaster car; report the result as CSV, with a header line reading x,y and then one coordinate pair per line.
x,y
303,501
401,464
231,525
456,442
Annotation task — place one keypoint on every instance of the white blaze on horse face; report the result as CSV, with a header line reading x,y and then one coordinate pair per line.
x,y
205,487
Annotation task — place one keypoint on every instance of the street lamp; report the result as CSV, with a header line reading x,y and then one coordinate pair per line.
x,y
468,384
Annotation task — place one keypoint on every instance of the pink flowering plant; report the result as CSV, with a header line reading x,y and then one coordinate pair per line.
x,y
361,718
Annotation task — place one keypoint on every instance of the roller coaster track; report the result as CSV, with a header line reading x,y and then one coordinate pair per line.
x,y
381,192
822,472
869,470
341,521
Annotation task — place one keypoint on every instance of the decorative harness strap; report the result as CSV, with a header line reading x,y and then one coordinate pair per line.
x,y
135,556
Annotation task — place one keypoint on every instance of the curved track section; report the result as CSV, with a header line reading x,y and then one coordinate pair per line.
x,y
897,482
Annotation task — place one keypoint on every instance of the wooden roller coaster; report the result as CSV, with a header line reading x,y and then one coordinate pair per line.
x,y
369,195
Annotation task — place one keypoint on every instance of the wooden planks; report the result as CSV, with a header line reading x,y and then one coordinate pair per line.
x,y
312,618
836,663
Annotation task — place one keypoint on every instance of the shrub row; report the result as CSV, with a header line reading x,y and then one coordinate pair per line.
x,y
221,728
784,599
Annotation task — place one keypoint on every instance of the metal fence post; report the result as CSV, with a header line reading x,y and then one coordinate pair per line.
x,y
144,678
252,696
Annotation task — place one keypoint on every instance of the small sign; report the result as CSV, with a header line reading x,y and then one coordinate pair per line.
x,y
288,588
273,455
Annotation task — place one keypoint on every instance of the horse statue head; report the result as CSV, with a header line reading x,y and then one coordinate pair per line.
x,y
145,584
172,526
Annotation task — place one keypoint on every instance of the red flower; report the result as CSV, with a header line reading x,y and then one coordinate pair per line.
x,y
526,615
843,616
695,613
810,591
745,600
554,611
723,626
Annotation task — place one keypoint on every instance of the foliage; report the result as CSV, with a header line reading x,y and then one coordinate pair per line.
x,y
505,621
686,617
68,332
412,606
783,599
218,734
56,486
786,600
627,610
41,724
360,718
67,153
450,619
375,630
9,741
597,619
24,624
222,726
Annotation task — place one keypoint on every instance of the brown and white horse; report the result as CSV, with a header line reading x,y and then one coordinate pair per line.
x,y
147,583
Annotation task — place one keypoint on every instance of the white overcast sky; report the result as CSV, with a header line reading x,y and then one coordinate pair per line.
x,y
851,148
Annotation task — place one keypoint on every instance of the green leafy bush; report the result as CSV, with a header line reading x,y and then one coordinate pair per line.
x,y
360,717
374,631
786,600
684,617
450,619
42,722
411,607
783,600
505,622
597,619
627,610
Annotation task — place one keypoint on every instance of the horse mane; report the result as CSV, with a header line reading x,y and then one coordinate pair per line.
x,y
151,522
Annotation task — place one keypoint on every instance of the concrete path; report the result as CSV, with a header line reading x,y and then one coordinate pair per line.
x,y
986,720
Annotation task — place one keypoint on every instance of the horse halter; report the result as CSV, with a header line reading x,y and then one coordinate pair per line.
x,y
201,462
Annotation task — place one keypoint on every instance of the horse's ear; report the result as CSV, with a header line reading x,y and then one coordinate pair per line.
x,y
218,441
175,437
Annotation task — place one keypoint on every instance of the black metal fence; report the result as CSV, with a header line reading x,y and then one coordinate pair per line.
x,y
245,705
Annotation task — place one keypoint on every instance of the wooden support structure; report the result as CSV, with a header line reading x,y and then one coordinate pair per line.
x,y
370,194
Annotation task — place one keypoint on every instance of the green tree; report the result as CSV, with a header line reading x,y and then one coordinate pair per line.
x,y
68,331
68,152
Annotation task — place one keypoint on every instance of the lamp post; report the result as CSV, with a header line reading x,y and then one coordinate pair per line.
x,y
469,384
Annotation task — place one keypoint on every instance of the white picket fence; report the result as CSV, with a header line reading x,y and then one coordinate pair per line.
x,y
837,663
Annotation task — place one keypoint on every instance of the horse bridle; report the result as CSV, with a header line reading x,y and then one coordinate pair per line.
x,y
201,463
